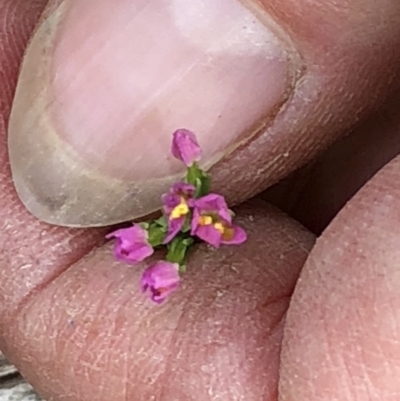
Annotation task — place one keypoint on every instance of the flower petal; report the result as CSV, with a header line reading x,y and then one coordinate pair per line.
x,y
165,274
161,297
174,226
195,221
136,255
239,236
169,201
172,198
131,244
209,234
160,280
214,203
183,188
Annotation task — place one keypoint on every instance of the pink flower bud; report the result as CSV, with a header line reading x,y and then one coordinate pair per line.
x,y
185,147
132,244
160,280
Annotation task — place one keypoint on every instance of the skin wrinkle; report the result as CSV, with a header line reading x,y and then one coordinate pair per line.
x,y
125,374
350,388
295,240
176,332
41,284
278,323
104,350
367,380
112,329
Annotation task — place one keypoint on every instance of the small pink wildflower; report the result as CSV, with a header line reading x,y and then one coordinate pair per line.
x,y
212,222
160,280
176,206
189,210
132,244
185,147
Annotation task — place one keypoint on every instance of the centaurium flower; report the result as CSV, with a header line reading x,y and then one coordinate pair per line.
x,y
176,206
189,210
212,222
185,147
132,244
160,280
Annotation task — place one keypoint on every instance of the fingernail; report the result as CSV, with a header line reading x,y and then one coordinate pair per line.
x,y
104,85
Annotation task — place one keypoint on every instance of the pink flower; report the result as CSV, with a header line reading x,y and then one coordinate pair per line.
x,y
185,147
132,244
212,222
176,206
160,279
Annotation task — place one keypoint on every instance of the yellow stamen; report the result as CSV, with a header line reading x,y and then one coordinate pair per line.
x,y
228,234
181,210
205,220
220,227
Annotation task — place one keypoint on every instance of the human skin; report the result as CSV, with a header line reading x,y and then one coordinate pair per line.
x,y
277,318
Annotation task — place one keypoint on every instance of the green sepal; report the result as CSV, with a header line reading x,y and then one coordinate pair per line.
x,y
144,225
177,251
156,234
161,222
188,241
200,179
193,173
203,185
187,224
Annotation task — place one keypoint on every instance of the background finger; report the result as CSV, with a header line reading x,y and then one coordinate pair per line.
x,y
341,335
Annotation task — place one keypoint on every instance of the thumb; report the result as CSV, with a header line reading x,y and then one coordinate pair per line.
x,y
104,84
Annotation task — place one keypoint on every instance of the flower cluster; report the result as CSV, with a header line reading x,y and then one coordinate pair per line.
x,y
191,213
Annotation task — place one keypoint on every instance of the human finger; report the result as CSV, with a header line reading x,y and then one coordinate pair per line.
x,y
265,85
341,335
91,334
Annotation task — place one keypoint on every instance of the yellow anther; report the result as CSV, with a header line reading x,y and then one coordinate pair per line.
x,y
228,234
219,227
205,220
181,210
